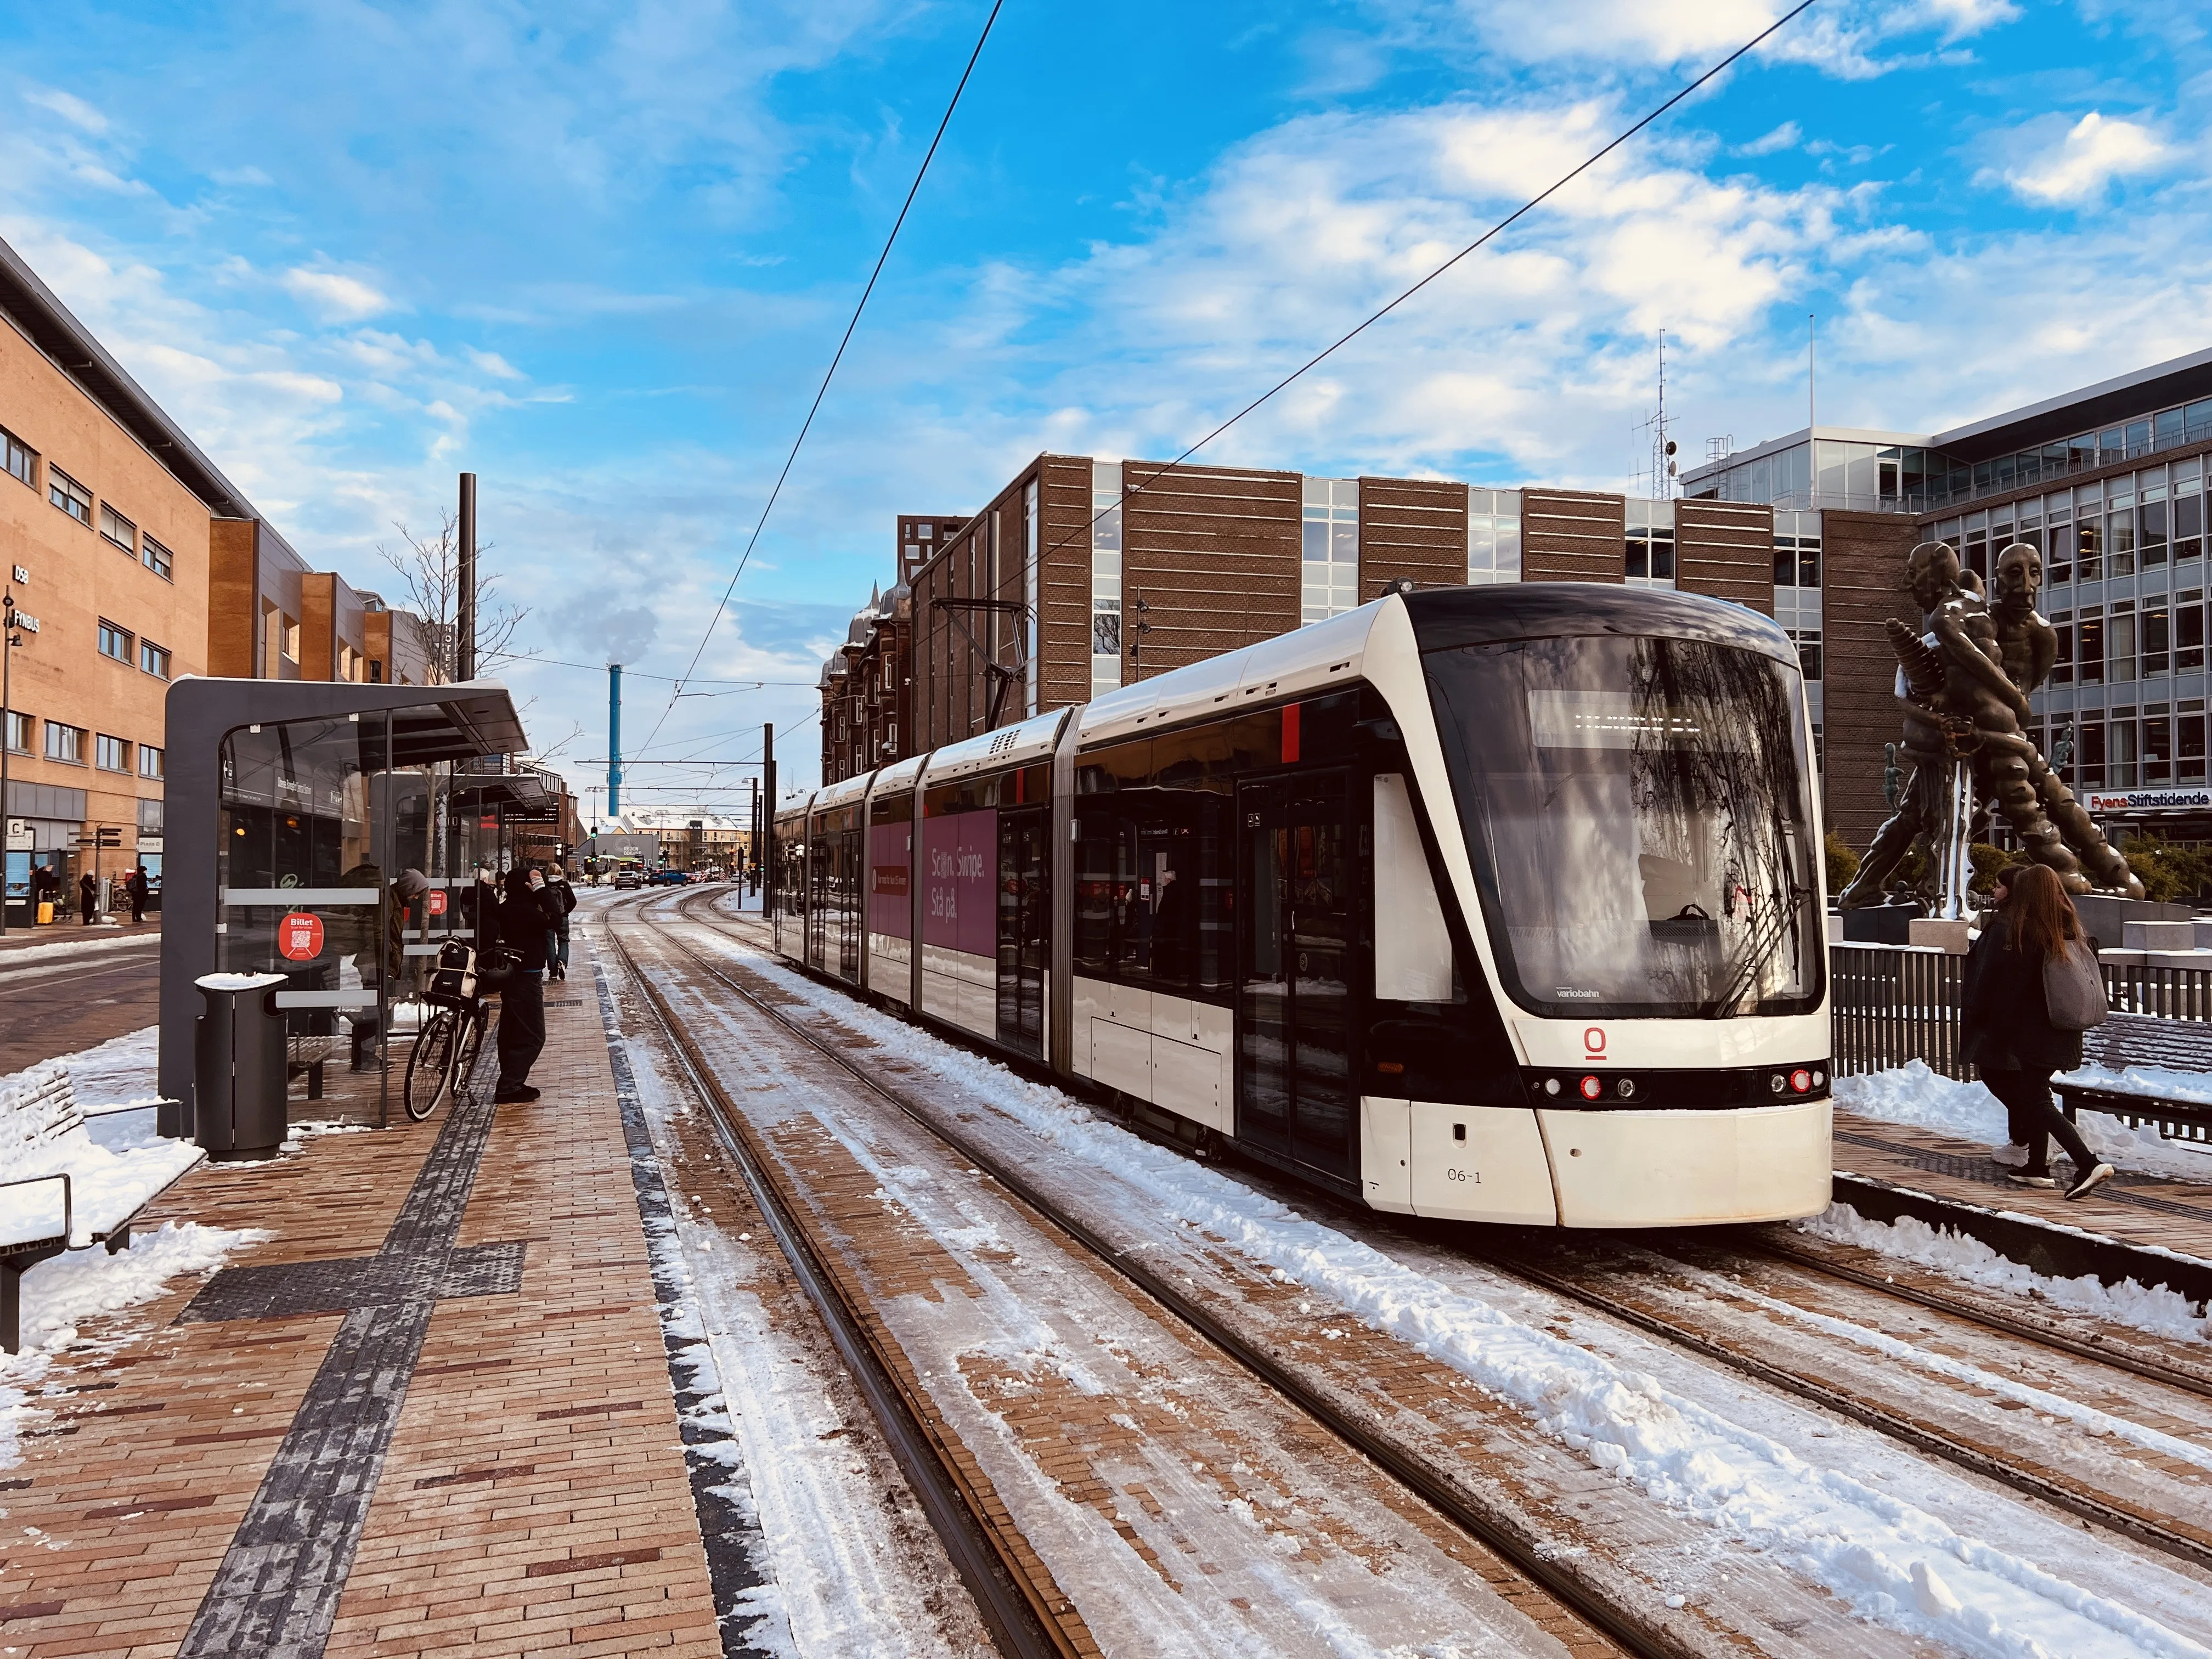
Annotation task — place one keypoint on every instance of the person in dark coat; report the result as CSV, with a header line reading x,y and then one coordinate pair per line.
x,y
87,898
519,924
563,898
2005,1024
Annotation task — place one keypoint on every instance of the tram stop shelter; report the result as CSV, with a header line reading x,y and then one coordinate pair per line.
x,y
292,805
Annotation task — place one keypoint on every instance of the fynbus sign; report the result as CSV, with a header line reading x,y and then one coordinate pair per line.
x,y
2146,800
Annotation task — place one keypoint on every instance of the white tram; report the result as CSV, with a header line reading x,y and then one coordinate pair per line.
x,y
1493,904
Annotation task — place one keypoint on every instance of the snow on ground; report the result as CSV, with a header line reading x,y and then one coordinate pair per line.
x,y
1914,1094
826,1589
1893,1562
2161,1312
120,1069
62,1294
47,952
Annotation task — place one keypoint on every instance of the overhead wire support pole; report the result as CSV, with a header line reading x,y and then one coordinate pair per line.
x,y
845,340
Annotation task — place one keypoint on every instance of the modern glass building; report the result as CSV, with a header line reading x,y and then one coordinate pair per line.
x,y
2108,484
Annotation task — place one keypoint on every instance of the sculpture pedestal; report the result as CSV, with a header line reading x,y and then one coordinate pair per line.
x,y
1945,932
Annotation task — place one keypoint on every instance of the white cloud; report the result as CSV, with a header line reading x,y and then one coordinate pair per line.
x,y
67,105
2095,151
339,297
1962,18
1786,136
494,365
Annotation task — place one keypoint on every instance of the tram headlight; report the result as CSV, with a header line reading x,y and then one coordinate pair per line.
x,y
1626,1087
1800,1079
1777,1083
1819,1077
1592,1088
1551,1085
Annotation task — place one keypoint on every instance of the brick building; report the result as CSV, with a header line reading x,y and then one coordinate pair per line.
x,y
134,561
1082,576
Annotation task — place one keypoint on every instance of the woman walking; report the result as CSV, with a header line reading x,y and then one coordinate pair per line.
x,y
2005,1022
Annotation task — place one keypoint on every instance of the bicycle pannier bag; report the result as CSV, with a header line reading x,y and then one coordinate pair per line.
x,y
454,978
2073,987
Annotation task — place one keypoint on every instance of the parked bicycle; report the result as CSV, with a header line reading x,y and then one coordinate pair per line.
x,y
445,1054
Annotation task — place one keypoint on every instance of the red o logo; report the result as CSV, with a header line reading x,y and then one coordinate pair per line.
x,y
300,937
1594,1041
434,901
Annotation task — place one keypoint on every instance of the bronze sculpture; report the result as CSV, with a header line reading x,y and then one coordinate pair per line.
x,y
1964,688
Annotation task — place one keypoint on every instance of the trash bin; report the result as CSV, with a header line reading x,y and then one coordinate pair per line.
x,y
238,1067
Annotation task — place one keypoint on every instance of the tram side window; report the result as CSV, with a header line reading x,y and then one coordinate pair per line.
x,y
1152,881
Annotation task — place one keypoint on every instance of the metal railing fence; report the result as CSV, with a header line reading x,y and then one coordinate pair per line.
x,y
1893,1004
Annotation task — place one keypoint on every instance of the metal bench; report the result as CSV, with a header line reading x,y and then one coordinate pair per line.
x,y
43,1128
2126,1040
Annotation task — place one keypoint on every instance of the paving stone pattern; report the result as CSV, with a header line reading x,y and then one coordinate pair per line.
x,y
533,1497
2134,1209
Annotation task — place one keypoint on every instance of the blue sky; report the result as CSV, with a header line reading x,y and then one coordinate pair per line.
x,y
601,257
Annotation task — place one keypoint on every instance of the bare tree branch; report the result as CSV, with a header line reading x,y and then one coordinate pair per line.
x,y
430,571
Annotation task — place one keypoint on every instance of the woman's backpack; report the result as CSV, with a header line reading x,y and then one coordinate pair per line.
x,y
2073,987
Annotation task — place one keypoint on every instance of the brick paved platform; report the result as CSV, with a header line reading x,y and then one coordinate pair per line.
x,y
2139,1215
533,1498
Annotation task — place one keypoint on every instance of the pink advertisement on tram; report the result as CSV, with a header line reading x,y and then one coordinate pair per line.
x,y
960,880
890,906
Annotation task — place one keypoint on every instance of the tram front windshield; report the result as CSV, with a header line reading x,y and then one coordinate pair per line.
x,y
1640,814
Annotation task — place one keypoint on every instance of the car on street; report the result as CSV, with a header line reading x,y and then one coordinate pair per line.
x,y
627,879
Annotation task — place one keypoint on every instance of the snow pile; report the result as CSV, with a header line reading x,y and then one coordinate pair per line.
x,y
121,1069
105,1187
2160,1311
1893,1562
65,1293
1913,1094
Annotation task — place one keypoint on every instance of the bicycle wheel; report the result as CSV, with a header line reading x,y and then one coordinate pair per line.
x,y
465,1062
429,1070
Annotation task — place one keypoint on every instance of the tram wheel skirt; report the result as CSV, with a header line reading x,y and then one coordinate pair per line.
x,y
1690,1168
1657,1168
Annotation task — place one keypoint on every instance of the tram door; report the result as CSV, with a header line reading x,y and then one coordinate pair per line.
x,y
1294,1084
1025,910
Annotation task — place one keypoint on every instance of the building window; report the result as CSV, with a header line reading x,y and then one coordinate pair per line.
x,y
1105,577
72,497
376,671
1649,529
1797,549
2089,644
158,558
119,528
2189,742
1493,537
154,658
111,753
1331,548
2189,631
2061,664
2120,642
149,761
23,460
114,641
19,732
1809,653
64,743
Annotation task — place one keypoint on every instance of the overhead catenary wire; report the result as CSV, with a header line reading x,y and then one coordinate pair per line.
x,y
1373,317
821,390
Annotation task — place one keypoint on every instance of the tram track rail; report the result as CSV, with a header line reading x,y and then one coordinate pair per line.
x,y
2194,1549
1021,1618
2027,1330
1631,1628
